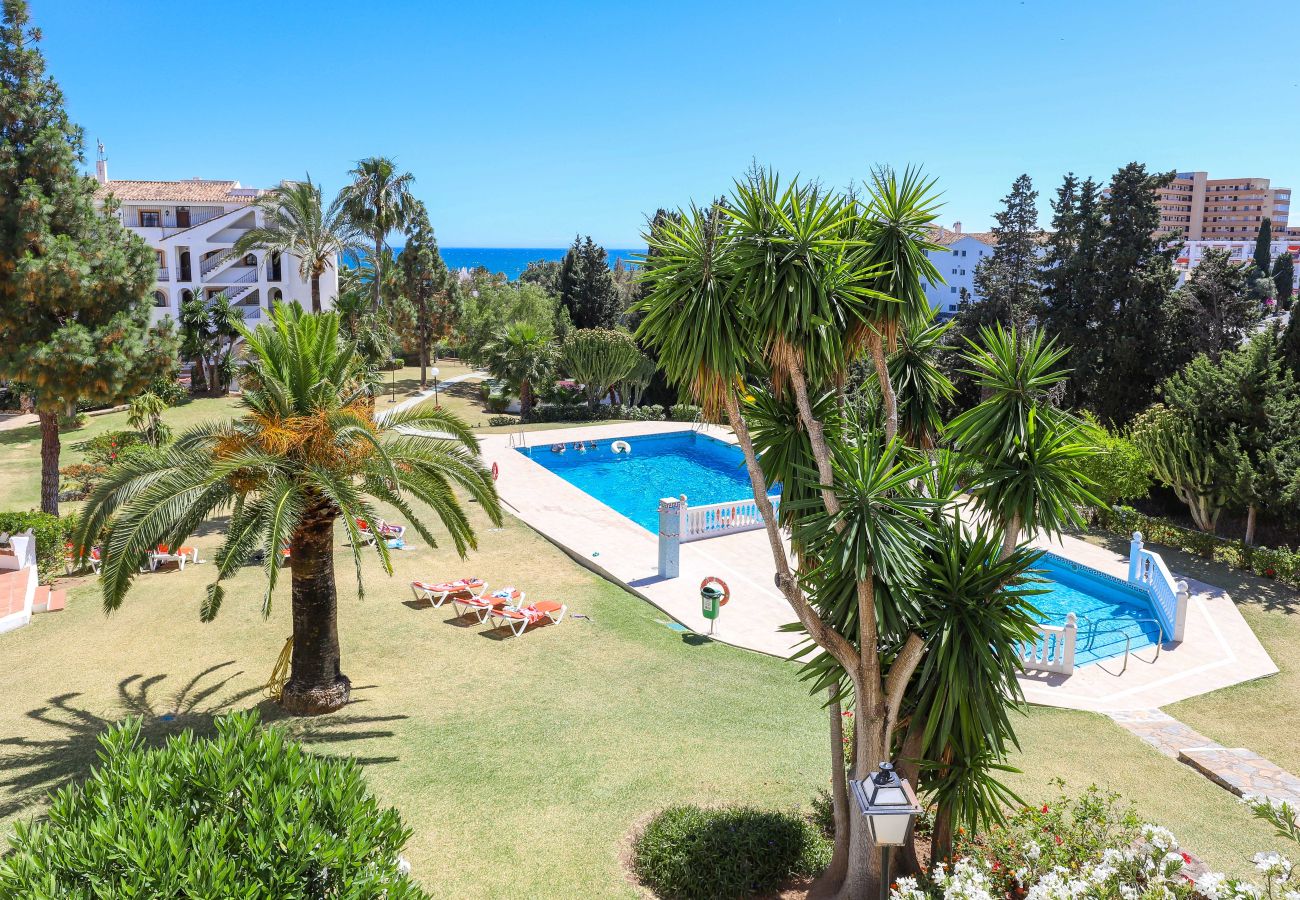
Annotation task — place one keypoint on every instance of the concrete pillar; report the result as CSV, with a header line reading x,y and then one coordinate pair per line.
x,y
671,512
1180,615
1134,556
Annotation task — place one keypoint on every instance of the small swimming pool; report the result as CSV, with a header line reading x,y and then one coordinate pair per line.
x,y
705,469
1108,609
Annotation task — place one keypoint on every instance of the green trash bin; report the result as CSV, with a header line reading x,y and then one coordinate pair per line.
x,y
710,601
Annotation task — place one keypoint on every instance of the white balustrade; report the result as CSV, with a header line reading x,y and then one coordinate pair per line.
x,y
1052,649
1168,597
681,523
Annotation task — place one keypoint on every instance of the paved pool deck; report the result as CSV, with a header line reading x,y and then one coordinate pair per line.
x,y
1219,649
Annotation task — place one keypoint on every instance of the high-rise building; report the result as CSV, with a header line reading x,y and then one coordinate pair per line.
x,y
1196,207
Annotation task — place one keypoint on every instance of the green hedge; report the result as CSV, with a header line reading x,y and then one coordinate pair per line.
x,y
247,813
52,536
1279,563
687,852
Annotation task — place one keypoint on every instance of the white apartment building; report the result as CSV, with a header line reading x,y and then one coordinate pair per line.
x,y
192,227
1238,251
956,261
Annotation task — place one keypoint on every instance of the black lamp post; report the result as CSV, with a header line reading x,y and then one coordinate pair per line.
x,y
889,805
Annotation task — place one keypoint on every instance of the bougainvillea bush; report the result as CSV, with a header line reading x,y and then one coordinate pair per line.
x,y
246,813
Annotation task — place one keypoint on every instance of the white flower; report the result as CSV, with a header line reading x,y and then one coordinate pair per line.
x,y
1243,890
1033,851
1212,885
906,888
1159,837
1273,865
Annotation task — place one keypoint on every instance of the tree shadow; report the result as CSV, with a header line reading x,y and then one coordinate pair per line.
x,y
63,743
1245,588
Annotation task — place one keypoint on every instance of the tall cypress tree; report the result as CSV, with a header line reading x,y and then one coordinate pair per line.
x,y
73,281
1263,246
1136,278
1283,279
424,281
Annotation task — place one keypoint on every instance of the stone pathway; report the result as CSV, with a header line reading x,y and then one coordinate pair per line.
x,y
1241,771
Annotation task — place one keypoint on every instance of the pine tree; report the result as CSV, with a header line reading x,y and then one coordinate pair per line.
x,y
424,281
1136,280
1007,280
587,288
1283,279
73,281
1216,309
1264,246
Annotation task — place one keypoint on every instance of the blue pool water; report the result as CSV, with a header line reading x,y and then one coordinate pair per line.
x,y
1108,609
706,470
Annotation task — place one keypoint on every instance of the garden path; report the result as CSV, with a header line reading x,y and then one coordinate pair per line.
x,y
1241,771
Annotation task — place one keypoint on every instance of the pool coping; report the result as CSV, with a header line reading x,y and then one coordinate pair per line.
x,y
1219,648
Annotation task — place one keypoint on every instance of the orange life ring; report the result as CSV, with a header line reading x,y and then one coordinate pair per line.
x,y
726,591
495,471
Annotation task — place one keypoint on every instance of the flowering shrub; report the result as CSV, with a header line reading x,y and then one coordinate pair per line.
x,y
1092,848
105,448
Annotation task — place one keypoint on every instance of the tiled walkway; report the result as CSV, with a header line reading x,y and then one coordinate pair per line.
x,y
1239,770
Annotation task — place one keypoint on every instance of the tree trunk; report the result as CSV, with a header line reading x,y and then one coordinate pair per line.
x,y
49,462
1010,535
909,767
1251,512
379,249
315,683
839,864
886,387
941,837
315,292
525,400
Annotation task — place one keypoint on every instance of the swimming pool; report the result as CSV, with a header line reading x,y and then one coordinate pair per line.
x,y
707,470
703,468
1108,609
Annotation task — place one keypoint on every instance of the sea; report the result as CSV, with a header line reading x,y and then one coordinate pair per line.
x,y
511,261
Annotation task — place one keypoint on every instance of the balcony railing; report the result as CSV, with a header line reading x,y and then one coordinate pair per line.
x,y
162,274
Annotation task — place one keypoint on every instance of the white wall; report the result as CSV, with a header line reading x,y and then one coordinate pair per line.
x,y
956,263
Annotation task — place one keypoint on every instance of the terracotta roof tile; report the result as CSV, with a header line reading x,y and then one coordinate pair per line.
x,y
193,191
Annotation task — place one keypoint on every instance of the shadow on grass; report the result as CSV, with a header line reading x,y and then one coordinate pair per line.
x,y
1243,587
63,742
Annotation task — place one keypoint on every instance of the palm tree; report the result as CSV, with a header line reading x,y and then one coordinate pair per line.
x,y
378,201
299,225
1028,450
144,414
521,356
307,451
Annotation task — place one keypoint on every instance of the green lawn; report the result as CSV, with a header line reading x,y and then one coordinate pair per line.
x,y
520,764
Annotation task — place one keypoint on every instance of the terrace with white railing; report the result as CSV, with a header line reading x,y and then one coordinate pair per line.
x,y
680,523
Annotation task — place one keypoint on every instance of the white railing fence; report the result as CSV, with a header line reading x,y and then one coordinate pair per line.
x,y
1169,597
1052,649
680,523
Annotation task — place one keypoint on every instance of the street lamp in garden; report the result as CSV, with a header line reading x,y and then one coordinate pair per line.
x,y
889,805
434,373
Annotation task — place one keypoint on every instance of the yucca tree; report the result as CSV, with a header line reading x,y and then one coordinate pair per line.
x,y
1028,451
306,452
976,612
297,223
921,387
378,201
522,357
781,282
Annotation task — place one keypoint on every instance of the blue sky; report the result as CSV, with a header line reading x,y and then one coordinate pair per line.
x,y
525,123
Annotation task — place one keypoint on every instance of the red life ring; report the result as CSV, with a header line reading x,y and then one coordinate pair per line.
x,y
495,471
726,591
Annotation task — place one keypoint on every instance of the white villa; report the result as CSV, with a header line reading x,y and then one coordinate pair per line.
x,y
956,261
192,226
